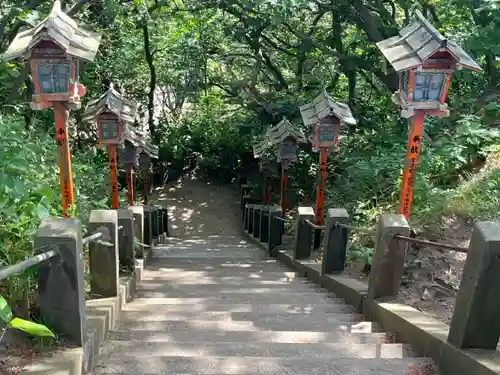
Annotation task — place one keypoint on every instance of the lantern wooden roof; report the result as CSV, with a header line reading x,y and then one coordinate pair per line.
x,y
133,136
114,102
277,134
322,107
149,149
62,30
417,42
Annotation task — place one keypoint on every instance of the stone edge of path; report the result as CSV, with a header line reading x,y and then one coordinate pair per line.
x,y
425,334
102,315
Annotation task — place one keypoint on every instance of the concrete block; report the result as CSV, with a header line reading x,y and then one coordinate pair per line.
x,y
104,259
388,257
335,244
60,279
474,324
138,212
303,233
126,238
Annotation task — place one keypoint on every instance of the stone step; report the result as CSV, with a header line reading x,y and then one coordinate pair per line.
x,y
211,249
137,305
209,265
250,349
233,286
264,366
267,318
217,275
129,324
218,335
158,298
200,277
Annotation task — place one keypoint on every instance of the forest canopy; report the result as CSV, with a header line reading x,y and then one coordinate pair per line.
x,y
211,75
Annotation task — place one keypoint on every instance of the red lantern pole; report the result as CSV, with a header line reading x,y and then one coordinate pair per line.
x,y
61,115
411,161
266,190
284,180
113,176
320,194
130,185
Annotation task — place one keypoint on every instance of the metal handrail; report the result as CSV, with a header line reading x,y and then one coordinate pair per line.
x,y
20,267
279,218
431,243
315,226
407,239
354,228
91,238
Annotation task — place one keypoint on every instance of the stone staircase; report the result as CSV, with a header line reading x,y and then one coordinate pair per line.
x,y
219,306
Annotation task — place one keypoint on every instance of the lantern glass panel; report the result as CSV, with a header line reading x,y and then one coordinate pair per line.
x,y
144,162
109,129
428,86
326,133
128,154
53,76
287,149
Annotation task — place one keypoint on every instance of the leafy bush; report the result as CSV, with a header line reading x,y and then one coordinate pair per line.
x,y
29,191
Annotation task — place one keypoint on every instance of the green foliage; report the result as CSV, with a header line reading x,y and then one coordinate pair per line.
x,y
29,191
32,328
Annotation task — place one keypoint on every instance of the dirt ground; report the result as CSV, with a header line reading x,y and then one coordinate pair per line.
x,y
198,208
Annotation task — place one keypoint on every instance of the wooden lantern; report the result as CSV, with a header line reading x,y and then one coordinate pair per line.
x,y
144,161
288,149
285,136
425,61
109,128
54,49
326,118
326,133
111,112
129,154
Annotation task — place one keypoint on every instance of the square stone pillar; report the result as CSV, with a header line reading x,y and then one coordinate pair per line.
x,y
104,259
303,233
138,212
474,324
154,223
388,257
250,210
148,227
159,210
335,246
256,220
61,287
165,222
264,224
126,238
274,231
